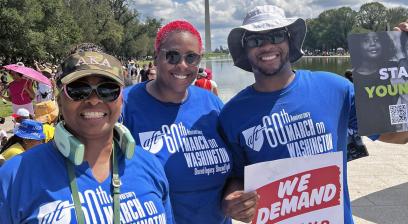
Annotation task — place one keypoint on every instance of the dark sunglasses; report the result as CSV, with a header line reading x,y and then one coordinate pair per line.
x,y
257,39
106,91
174,57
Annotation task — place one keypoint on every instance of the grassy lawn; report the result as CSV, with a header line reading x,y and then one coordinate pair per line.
x,y
5,109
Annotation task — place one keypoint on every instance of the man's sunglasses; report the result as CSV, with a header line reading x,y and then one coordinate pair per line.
x,y
174,57
257,39
106,91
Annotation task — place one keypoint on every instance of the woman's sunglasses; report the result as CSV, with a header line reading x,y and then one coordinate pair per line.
x,y
174,57
257,40
106,91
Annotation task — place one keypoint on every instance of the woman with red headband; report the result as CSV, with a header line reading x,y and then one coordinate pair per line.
x,y
178,123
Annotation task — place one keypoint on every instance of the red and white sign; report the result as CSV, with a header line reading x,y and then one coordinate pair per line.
x,y
303,190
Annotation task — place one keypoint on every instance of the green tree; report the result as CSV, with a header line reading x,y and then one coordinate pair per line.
x,y
35,29
372,16
58,28
330,29
150,27
47,29
396,15
97,23
16,18
346,18
313,35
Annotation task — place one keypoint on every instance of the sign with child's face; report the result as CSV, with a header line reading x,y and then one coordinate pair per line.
x,y
380,74
309,192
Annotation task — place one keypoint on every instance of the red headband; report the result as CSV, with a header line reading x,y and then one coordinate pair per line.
x,y
177,25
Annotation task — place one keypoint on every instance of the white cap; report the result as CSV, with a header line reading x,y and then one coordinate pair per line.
x,y
21,112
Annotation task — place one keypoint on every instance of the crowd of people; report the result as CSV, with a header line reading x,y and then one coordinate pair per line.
x,y
34,110
167,149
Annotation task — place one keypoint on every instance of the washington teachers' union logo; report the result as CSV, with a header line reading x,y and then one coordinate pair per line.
x,y
254,138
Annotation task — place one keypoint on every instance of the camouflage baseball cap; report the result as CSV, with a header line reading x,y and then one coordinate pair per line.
x,y
87,63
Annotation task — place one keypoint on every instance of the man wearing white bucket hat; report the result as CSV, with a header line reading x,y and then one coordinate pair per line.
x,y
266,44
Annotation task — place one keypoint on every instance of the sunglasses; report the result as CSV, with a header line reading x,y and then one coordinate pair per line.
x,y
174,57
106,91
257,40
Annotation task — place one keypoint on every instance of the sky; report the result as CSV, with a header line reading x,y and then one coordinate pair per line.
x,y
228,14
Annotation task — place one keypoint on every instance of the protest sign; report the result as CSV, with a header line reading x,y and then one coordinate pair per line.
x,y
310,192
380,65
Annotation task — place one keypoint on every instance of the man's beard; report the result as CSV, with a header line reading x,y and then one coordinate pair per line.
x,y
258,70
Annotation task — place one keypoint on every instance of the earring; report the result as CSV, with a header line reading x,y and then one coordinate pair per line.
x,y
120,119
60,117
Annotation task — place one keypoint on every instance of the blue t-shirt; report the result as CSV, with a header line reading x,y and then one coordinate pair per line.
x,y
34,188
263,126
186,140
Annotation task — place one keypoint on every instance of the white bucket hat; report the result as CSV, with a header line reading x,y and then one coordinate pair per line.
x,y
262,18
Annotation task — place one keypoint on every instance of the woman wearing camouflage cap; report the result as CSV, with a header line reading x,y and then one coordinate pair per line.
x,y
88,173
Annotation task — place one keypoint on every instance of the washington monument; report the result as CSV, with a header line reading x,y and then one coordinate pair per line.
x,y
207,27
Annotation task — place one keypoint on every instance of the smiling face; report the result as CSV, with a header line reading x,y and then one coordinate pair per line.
x,y
92,117
371,46
269,59
176,78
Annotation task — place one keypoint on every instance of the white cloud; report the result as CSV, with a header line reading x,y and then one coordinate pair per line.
x,y
227,14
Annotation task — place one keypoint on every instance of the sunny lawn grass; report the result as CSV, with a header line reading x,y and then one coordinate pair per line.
x,y
5,109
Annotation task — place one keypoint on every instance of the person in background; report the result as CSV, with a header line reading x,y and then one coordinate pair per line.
x,y
266,45
402,62
3,138
348,75
355,148
137,72
214,86
204,82
127,76
151,73
3,84
19,116
3,78
27,135
178,123
20,93
131,68
88,173
45,92
201,81
142,74
47,113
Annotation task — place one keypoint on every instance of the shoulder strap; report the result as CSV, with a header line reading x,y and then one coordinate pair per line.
x,y
116,183
74,189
